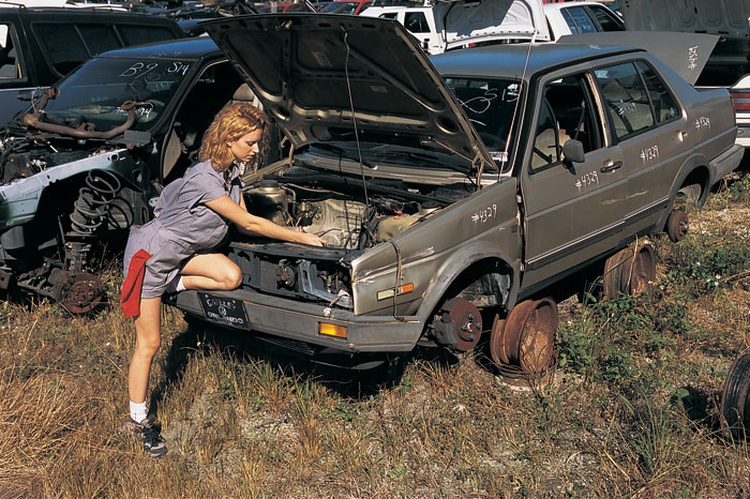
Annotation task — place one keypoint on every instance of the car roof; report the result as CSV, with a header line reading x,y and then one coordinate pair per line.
x,y
84,11
182,48
511,60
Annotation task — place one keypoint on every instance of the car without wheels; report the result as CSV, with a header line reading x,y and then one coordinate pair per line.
x,y
89,159
450,198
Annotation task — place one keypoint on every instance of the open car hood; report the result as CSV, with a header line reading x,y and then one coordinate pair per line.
x,y
320,75
483,21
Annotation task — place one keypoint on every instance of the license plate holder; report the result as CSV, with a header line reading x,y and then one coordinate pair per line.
x,y
228,311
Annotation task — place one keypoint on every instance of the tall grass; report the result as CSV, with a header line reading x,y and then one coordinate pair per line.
x,y
631,412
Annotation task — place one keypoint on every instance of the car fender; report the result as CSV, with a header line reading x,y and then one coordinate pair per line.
x,y
459,262
696,169
19,200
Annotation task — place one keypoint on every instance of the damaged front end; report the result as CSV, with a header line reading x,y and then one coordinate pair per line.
x,y
70,189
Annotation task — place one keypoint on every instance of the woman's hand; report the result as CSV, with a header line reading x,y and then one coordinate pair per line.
x,y
311,239
254,225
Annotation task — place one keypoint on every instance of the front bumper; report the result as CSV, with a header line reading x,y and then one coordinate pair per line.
x,y
300,322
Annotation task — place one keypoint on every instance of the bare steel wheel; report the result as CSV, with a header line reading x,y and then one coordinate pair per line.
x,y
629,271
497,342
677,226
529,333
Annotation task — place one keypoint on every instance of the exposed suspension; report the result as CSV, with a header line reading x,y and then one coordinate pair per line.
x,y
89,213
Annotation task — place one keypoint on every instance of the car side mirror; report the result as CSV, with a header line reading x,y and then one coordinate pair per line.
x,y
573,152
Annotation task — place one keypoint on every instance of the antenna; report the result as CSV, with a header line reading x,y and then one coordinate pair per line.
x,y
520,89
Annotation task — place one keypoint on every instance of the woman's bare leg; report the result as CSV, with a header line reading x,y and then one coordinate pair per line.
x,y
147,342
211,271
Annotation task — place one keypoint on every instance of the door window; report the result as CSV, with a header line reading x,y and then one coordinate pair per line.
x,y
416,22
566,112
10,64
636,98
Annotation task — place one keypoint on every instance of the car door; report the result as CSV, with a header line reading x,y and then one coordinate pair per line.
x,y
646,123
572,212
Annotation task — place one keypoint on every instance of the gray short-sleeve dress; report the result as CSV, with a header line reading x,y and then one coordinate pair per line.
x,y
183,225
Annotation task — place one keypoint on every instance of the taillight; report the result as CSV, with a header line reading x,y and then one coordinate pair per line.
x,y
741,100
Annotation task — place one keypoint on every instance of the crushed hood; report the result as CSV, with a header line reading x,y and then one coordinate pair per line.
x,y
481,21
685,53
317,75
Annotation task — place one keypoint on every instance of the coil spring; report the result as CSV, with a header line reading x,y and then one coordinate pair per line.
x,y
93,201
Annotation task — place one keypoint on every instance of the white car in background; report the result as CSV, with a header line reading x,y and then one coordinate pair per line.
x,y
447,25
573,18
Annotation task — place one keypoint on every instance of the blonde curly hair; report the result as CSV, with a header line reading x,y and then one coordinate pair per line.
x,y
233,122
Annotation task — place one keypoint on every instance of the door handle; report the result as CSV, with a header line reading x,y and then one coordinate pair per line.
x,y
610,168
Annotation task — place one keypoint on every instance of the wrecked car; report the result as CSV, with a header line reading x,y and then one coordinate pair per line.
x,y
453,192
89,159
39,45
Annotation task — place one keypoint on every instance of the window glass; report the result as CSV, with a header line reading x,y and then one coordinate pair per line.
x,y
136,35
99,38
605,19
416,22
626,99
490,106
97,93
565,113
63,46
10,65
665,105
578,20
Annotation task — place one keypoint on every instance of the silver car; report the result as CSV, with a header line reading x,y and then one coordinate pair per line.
x,y
455,192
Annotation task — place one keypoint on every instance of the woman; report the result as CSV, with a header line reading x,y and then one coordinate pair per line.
x,y
177,249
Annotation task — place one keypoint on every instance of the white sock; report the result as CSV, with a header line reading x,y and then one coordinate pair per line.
x,y
138,412
181,284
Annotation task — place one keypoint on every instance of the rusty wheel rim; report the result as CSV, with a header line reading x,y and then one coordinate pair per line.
x,y
497,342
613,272
530,332
642,272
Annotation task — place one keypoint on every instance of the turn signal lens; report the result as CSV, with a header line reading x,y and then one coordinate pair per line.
x,y
332,330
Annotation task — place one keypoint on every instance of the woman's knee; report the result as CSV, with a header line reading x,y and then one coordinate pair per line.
x,y
231,277
147,347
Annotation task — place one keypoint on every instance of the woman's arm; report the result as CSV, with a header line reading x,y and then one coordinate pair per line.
x,y
259,226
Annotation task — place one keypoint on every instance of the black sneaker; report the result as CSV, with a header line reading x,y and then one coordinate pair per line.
x,y
149,432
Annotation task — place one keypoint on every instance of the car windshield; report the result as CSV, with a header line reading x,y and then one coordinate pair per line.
x,y
490,105
95,93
